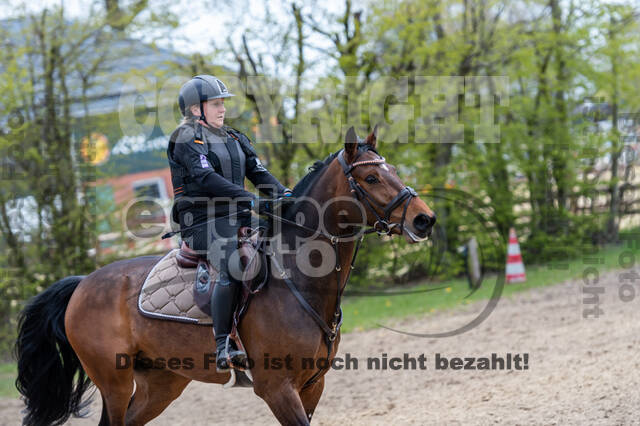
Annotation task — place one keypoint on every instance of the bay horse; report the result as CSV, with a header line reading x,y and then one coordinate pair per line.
x,y
72,334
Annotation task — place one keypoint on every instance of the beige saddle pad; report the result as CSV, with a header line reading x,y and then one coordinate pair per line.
x,y
167,293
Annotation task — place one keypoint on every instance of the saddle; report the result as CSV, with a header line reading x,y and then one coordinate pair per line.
x,y
206,274
188,258
180,285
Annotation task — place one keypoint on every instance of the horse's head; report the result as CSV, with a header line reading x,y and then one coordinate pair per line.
x,y
390,206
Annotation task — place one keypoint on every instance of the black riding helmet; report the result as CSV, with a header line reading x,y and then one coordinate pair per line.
x,y
200,89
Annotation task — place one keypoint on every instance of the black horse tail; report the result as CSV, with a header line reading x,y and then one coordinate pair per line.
x,y
50,376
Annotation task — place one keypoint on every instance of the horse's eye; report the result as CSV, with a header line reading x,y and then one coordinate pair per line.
x,y
371,179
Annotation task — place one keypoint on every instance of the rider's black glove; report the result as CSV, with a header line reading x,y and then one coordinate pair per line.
x,y
272,206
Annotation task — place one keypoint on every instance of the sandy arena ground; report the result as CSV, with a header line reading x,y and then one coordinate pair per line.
x,y
581,371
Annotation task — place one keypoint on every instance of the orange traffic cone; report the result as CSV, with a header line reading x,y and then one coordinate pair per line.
x,y
515,267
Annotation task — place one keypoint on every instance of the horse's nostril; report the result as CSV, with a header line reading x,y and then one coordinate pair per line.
x,y
422,222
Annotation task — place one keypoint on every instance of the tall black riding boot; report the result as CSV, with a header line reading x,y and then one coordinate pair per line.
x,y
223,303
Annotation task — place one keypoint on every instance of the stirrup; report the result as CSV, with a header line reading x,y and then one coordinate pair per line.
x,y
222,357
227,359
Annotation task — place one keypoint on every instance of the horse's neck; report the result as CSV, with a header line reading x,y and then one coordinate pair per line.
x,y
322,289
324,191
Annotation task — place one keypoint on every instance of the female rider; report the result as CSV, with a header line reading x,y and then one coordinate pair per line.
x,y
209,162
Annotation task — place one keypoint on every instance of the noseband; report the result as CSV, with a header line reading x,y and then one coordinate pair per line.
x,y
382,225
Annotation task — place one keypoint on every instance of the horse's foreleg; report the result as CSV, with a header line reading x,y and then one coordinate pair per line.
x,y
155,390
310,397
285,403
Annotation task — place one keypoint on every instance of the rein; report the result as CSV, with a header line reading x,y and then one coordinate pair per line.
x,y
381,226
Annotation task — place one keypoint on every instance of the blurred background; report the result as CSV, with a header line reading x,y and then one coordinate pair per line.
x,y
88,94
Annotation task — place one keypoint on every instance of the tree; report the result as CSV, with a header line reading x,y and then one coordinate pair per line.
x,y
619,31
50,65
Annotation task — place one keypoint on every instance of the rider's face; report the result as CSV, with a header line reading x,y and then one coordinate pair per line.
x,y
214,111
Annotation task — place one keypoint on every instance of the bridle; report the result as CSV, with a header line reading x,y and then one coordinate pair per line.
x,y
406,194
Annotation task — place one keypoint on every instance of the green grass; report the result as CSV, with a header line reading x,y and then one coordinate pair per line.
x,y
8,373
365,312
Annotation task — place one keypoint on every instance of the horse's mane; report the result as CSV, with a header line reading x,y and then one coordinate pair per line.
x,y
305,184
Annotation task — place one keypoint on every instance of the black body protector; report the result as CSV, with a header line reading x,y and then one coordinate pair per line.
x,y
213,163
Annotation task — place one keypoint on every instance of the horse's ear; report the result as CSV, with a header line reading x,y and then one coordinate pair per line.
x,y
372,139
350,144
